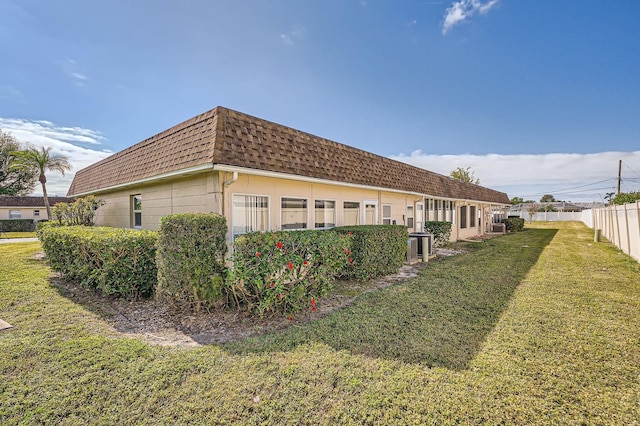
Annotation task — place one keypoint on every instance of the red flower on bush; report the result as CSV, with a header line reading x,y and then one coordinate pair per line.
x,y
305,263
257,254
313,304
349,233
279,244
290,318
290,265
272,285
281,296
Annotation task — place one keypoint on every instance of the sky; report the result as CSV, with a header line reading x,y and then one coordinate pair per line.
x,y
536,97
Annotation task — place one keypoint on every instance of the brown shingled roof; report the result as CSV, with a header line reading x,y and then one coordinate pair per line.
x,y
227,137
9,201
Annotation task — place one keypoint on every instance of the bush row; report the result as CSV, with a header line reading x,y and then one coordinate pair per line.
x,y
190,258
272,272
514,224
17,225
377,250
285,271
441,232
113,260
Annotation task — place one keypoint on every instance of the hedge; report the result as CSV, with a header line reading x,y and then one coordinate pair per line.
x,y
514,224
377,249
441,232
284,271
190,259
17,225
113,260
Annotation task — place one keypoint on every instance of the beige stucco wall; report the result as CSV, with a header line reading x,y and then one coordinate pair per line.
x,y
190,194
204,193
25,212
276,188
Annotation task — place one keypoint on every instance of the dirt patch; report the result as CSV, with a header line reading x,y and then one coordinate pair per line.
x,y
158,323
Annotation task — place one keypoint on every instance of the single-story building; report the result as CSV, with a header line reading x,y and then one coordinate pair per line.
x,y
264,176
27,207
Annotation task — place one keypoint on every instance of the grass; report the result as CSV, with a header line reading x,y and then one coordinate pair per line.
x,y
18,235
559,344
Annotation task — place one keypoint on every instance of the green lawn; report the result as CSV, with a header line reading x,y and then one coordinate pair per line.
x,y
18,235
538,327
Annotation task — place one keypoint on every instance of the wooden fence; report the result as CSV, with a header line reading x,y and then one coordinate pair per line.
x,y
620,225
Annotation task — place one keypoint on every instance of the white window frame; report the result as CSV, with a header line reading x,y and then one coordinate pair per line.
x,y
419,217
306,216
358,215
268,225
375,211
387,220
15,214
135,211
335,212
410,216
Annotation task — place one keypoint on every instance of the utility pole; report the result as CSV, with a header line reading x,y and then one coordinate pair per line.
x,y
619,175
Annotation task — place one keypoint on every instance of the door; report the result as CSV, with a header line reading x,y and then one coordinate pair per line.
x,y
370,212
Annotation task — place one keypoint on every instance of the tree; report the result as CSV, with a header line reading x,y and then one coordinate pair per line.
x,y
13,182
517,200
626,197
532,209
465,175
547,198
609,197
41,160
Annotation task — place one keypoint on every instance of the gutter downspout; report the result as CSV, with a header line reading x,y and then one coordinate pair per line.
x,y
225,184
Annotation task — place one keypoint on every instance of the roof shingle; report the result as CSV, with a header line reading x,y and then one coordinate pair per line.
x,y
227,137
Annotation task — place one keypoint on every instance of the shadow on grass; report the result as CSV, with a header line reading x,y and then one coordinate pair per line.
x,y
438,319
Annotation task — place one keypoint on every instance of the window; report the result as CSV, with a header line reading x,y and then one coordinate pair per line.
x,y
463,217
250,213
325,214
36,213
370,212
293,213
472,216
410,217
351,213
136,211
386,214
15,214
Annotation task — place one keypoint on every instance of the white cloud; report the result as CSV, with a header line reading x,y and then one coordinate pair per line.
x,y
71,68
412,23
65,141
572,177
462,10
294,35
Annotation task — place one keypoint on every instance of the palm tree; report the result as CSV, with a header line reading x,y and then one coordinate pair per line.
x,y
42,160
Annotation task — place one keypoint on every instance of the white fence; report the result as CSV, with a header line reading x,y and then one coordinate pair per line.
x,y
583,216
620,225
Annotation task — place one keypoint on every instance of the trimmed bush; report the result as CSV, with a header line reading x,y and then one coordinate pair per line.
x,y
441,232
190,258
17,225
377,250
514,224
279,272
115,261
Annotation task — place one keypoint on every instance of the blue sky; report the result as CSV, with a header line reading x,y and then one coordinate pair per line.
x,y
535,96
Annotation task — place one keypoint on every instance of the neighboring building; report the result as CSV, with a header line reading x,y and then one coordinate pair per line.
x,y
265,176
27,207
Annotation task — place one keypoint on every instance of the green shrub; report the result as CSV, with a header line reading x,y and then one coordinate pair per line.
x,y
80,212
190,258
113,260
441,232
278,272
377,250
17,225
514,224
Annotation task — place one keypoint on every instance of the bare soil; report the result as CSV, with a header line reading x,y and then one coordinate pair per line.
x,y
158,323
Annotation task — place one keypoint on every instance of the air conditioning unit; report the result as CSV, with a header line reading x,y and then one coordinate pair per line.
x,y
425,242
412,250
